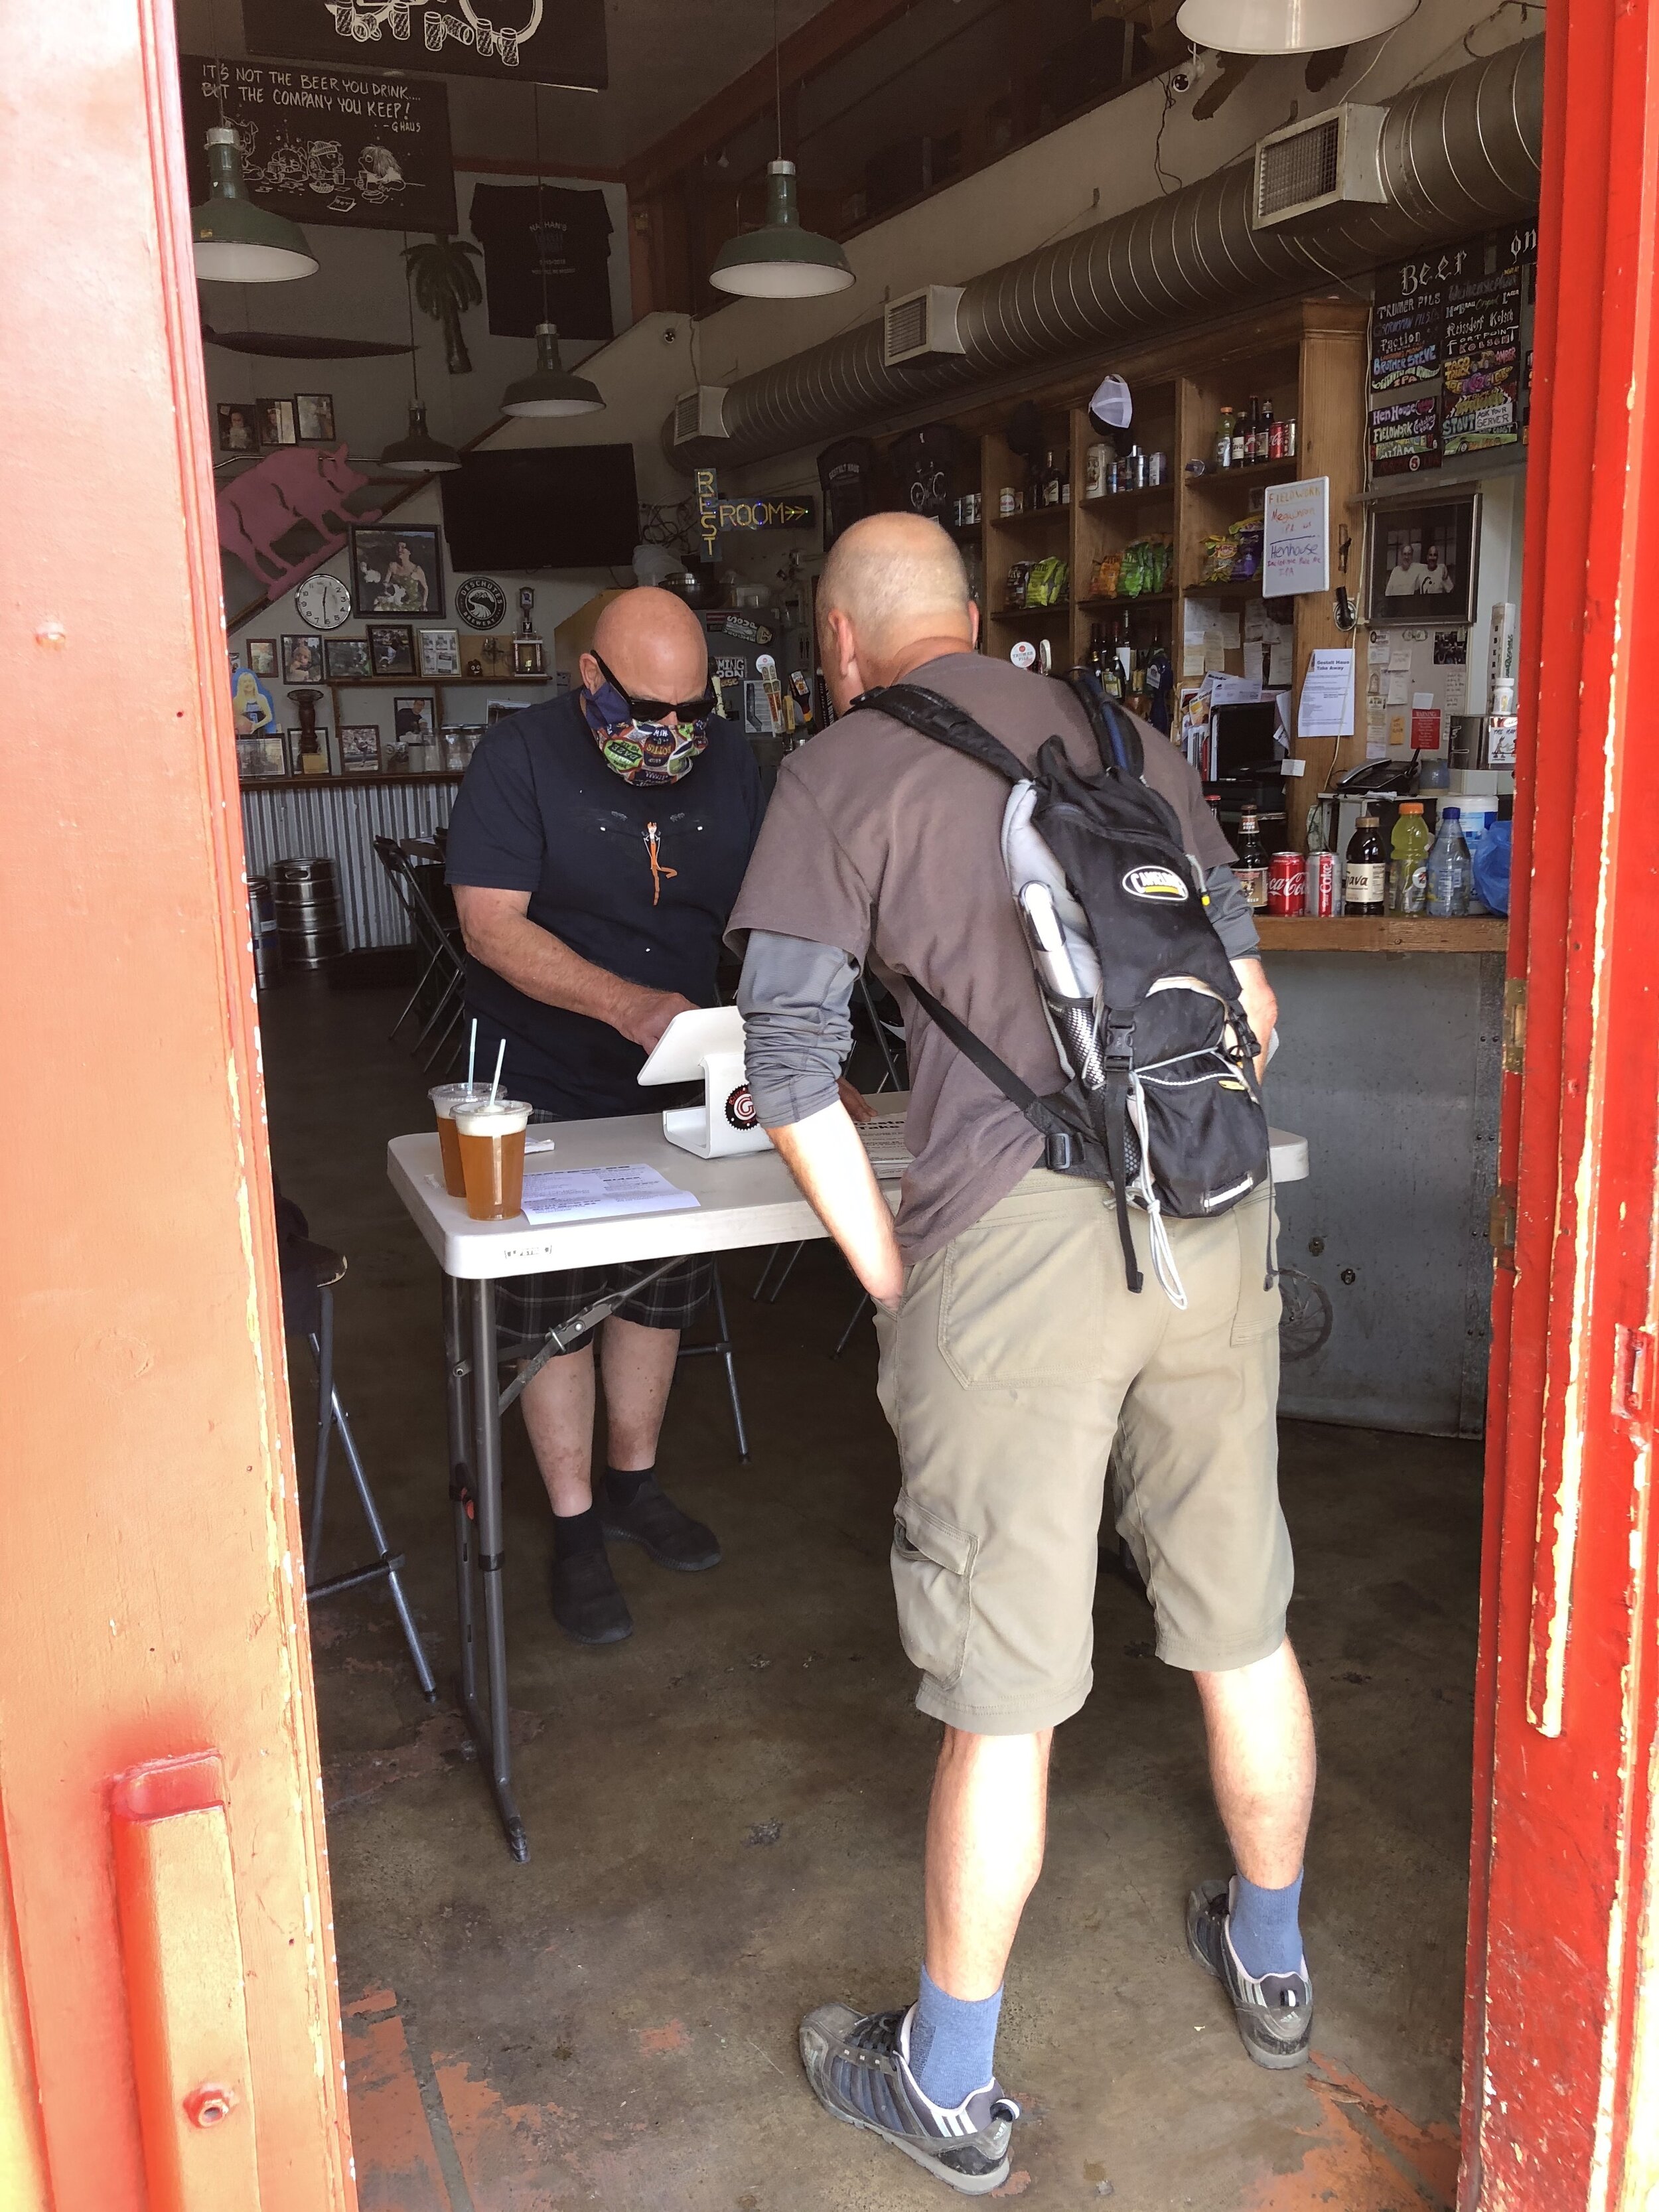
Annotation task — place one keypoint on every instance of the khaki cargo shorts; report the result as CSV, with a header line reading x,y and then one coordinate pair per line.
x,y
1020,1364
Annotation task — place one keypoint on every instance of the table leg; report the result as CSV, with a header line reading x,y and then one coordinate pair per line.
x,y
457,1376
487,1464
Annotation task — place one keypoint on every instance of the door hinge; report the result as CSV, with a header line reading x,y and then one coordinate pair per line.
x,y
1633,1377
1515,1023
1500,1224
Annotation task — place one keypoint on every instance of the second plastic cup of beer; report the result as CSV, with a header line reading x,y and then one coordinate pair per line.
x,y
490,1138
445,1100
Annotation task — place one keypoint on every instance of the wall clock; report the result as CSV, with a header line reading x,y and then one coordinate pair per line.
x,y
481,603
323,603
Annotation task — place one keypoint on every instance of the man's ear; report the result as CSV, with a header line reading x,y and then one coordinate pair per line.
x,y
588,668
973,625
844,650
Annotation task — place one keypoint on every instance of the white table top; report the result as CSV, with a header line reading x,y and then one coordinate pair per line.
x,y
748,1200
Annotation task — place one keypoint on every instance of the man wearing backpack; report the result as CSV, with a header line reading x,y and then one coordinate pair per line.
x,y
1015,1355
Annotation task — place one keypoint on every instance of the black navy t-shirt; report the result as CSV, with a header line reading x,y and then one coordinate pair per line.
x,y
538,811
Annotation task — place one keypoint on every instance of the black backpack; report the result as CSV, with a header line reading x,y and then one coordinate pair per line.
x,y
1162,1101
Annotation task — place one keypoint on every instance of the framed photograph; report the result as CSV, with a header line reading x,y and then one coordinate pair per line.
x,y
302,660
1420,559
391,648
360,747
313,418
397,571
440,652
261,757
314,762
529,657
262,655
276,422
497,710
487,655
346,659
415,720
238,428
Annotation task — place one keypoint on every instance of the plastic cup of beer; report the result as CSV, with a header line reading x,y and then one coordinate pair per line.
x,y
445,1100
491,1141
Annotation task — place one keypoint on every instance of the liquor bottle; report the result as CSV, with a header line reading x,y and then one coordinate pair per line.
x,y
1111,674
1251,865
1365,878
1065,479
1252,434
1240,432
1266,431
1223,439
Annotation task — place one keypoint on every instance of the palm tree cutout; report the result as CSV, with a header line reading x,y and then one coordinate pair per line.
x,y
446,284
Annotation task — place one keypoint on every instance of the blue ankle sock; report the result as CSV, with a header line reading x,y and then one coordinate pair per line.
x,y
952,2043
1266,1932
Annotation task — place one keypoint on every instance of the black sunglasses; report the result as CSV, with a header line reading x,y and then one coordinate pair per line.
x,y
656,710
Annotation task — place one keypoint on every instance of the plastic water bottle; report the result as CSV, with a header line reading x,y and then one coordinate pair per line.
x,y
1449,868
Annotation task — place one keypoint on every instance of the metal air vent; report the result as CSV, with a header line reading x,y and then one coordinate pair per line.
x,y
700,413
1325,162
921,322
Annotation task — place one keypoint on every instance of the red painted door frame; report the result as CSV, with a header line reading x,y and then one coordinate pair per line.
x,y
1565,1693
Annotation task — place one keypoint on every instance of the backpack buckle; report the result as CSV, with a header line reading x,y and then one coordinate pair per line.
x,y
1120,1051
1062,1154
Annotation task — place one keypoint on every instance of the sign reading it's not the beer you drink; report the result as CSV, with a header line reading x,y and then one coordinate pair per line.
x,y
542,41
326,145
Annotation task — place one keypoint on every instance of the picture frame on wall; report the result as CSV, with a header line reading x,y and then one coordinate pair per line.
x,y
261,757
1421,557
239,427
302,660
529,657
275,422
360,747
313,418
440,651
262,655
314,762
347,660
391,648
414,719
397,572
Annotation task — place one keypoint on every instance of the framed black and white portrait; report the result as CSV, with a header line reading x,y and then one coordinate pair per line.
x,y
1420,561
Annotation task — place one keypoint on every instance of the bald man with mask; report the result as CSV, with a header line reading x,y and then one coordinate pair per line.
x,y
1014,1357
597,844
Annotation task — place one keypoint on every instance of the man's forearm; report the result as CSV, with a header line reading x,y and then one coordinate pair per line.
x,y
827,1158
544,967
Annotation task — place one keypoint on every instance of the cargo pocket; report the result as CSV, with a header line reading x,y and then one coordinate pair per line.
x,y
933,1583
1257,1313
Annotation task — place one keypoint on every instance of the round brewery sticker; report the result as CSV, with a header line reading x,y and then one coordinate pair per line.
x,y
740,1108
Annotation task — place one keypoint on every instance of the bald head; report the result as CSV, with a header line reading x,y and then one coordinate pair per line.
x,y
652,643
894,591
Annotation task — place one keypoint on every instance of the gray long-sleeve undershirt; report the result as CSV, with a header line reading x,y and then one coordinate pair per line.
x,y
795,997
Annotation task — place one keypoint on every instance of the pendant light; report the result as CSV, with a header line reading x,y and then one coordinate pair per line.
x,y
548,389
417,452
236,241
1287,27
780,261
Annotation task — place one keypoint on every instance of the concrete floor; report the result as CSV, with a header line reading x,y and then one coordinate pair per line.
x,y
726,1813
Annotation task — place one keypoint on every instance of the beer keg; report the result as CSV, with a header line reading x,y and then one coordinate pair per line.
x,y
307,901
267,946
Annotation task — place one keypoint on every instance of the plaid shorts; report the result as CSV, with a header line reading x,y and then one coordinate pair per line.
x,y
527,1306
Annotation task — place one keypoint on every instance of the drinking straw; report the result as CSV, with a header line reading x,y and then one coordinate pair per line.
x,y
496,1079
472,1052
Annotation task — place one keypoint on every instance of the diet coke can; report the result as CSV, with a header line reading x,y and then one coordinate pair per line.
x,y
1319,896
1287,883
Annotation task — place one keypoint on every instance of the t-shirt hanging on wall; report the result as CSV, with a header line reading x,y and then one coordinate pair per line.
x,y
567,239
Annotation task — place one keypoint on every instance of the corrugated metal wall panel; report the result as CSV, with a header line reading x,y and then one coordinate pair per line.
x,y
287,822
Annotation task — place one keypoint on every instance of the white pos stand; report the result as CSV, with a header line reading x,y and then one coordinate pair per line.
x,y
706,1046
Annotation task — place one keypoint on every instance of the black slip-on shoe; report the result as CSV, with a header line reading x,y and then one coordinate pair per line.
x,y
1275,2014
587,1603
671,1538
857,2066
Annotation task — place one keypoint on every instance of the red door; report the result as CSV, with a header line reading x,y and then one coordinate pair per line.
x,y
1560,2005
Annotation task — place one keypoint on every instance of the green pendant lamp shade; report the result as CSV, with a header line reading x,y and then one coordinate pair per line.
x,y
418,454
236,241
549,389
780,261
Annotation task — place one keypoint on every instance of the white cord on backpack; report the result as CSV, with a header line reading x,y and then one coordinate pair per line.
x,y
1158,1236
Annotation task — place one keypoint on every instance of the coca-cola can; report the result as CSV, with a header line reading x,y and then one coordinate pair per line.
x,y
1319,890
1287,883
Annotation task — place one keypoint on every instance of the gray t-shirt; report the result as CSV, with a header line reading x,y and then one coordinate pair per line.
x,y
887,845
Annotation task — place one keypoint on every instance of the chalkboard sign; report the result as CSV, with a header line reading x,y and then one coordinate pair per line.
x,y
1483,354
1407,323
1451,365
326,145
537,41
1405,435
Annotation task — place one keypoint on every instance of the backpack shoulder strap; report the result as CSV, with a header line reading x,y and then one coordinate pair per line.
x,y
973,1048
947,723
1115,733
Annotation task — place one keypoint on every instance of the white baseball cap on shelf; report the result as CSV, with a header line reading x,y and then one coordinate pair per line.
x,y
1111,407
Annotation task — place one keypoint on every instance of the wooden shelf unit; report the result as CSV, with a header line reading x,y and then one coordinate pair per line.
x,y
1387,932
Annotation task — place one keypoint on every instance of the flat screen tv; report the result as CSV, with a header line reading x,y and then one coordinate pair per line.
x,y
543,507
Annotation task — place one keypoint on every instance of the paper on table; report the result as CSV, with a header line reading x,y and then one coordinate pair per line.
x,y
884,1142
599,1194
1234,690
1327,709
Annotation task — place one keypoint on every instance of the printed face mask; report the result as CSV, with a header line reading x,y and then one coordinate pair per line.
x,y
640,752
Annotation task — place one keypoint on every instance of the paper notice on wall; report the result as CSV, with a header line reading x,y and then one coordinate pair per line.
x,y
1376,648
1281,656
1400,653
1399,687
1192,662
1326,708
1225,629
1376,737
1296,538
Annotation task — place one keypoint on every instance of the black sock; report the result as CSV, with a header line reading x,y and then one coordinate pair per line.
x,y
577,1532
624,1483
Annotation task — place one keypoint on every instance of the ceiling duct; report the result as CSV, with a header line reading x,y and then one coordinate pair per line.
x,y
700,413
921,322
1457,155
1329,160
